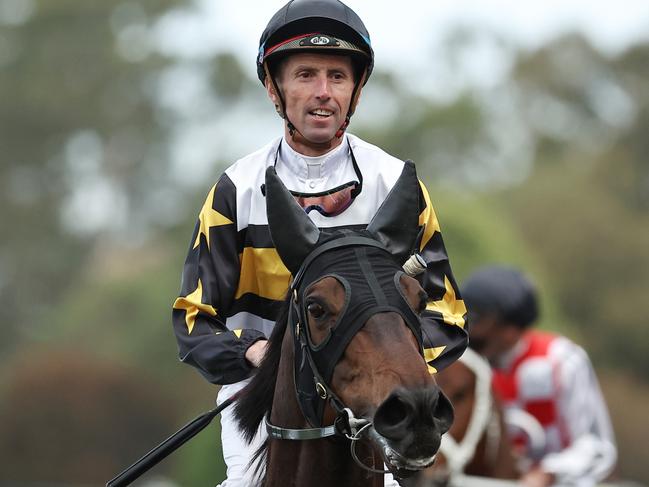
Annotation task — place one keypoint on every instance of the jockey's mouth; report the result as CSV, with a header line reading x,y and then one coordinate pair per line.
x,y
321,113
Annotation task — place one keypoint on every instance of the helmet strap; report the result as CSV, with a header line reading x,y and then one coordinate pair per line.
x,y
280,105
343,127
352,104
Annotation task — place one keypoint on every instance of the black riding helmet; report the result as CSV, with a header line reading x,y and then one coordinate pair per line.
x,y
327,26
501,291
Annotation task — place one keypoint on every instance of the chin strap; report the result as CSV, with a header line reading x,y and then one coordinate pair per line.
x,y
343,127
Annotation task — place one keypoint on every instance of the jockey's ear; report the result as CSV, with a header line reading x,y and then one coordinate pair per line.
x,y
271,90
357,99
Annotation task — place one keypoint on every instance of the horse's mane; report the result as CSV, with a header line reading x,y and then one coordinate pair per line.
x,y
257,398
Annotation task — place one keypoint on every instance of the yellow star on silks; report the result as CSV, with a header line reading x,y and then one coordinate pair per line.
x,y
452,309
427,219
431,354
209,218
192,304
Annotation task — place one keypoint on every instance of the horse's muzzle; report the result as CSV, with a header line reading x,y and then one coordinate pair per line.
x,y
412,422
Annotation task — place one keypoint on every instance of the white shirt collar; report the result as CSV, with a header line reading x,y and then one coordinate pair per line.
x,y
313,174
319,167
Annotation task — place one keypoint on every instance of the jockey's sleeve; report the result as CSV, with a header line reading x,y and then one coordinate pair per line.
x,y
444,321
209,283
591,454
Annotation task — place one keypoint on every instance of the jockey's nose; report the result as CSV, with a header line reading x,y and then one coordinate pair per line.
x,y
322,88
409,414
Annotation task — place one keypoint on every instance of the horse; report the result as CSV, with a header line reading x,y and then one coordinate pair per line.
x,y
477,443
344,391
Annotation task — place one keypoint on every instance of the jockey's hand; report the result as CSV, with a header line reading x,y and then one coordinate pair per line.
x,y
537,478
256,352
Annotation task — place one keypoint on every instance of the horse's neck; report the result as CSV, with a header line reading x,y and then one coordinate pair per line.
x,y
309,462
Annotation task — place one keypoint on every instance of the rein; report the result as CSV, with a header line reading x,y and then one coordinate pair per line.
x,y
168,446
459,454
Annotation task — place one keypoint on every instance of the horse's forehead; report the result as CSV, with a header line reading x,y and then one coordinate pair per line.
x,y
326,283
350,262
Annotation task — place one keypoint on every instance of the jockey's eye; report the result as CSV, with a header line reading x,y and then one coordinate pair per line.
x,y
315,310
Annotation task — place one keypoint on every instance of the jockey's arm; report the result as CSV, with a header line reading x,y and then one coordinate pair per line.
x,y
592,452
444,321
209,283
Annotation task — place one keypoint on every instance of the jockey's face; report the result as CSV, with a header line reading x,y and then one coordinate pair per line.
x,y
492,337
317,91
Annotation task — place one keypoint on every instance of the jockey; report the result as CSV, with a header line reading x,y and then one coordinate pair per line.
x,y
543,376
314,58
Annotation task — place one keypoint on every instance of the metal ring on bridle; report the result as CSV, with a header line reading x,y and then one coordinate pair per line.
x,y
352,449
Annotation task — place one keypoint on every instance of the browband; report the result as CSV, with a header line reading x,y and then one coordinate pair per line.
x,y
349,241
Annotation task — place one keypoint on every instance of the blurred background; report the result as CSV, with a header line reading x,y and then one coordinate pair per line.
x,y
527,120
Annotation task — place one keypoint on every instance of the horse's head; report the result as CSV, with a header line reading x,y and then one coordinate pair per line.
x,y
476,443
355,321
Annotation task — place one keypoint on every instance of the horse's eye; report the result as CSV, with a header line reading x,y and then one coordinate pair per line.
x,y
460,395
315,310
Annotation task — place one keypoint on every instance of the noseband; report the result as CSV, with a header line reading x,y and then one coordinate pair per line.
x,y
370,277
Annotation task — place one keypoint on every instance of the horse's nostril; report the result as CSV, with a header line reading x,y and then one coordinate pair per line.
x,y
418,412
393,417
443,413
396,412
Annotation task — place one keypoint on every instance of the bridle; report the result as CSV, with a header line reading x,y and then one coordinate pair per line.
x,y
459,454
314,364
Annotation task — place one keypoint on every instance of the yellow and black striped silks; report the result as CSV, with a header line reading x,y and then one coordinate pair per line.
x,y
234,282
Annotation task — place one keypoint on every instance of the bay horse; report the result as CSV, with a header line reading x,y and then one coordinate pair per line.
x,y
344,392
477,443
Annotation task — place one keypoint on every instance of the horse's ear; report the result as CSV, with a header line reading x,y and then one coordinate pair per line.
x,y
294,234
396,222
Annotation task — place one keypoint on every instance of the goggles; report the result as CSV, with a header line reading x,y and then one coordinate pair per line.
x,y
331,202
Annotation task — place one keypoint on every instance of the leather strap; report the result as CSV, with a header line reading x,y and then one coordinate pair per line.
x,y
279,433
